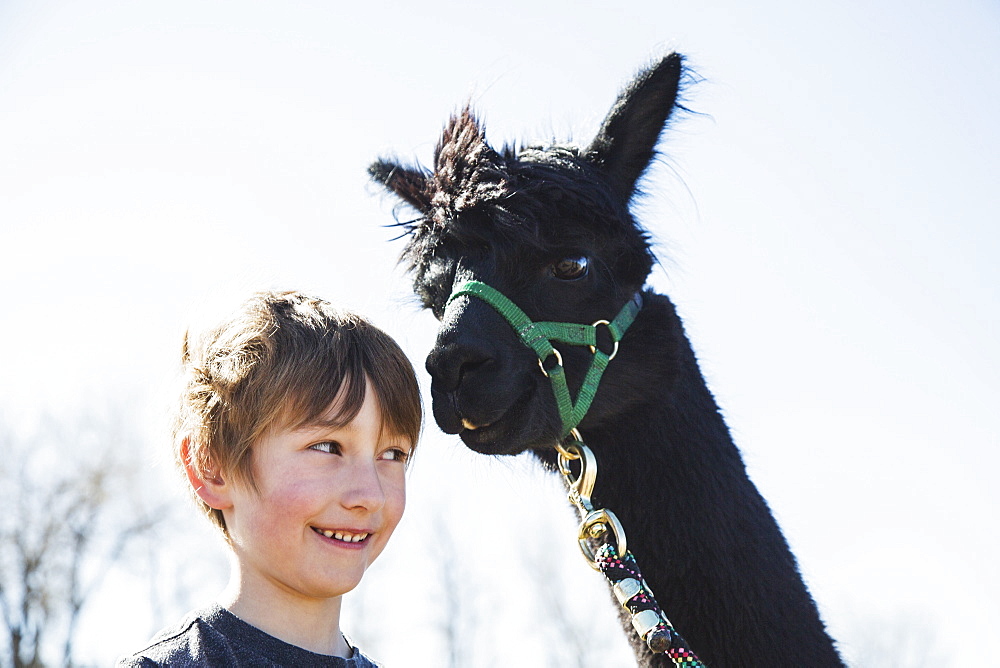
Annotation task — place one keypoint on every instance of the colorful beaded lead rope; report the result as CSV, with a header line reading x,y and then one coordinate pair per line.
x,y
648,620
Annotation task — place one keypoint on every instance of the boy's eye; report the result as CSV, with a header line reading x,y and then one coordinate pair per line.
x,y
330,447
396,455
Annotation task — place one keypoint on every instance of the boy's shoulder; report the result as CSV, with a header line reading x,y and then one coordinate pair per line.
x,y
215,637
193,641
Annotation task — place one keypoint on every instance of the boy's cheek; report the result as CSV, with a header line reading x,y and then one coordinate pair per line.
x,y
393,513
395,505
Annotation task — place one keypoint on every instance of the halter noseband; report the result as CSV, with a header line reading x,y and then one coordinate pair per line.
x,y
539,337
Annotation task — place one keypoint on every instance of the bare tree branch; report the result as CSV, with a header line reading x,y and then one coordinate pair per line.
x,y
67,527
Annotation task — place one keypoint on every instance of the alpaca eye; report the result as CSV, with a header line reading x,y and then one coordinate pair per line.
x,y
570,268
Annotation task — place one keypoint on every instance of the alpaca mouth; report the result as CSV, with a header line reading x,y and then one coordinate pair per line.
x,y
487,437
509,432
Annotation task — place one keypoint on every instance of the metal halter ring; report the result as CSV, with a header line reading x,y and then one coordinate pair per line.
x,y
558,361
566,454
595,525
593,349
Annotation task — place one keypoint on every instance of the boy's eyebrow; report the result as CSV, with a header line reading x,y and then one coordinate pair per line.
x,y
302,422
313,425
316,425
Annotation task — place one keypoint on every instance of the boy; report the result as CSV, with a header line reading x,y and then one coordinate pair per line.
x,y
296,424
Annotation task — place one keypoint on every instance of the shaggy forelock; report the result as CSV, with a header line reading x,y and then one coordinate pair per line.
x,y
467,172
513,199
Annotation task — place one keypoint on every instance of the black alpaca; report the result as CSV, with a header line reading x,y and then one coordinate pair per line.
x,y
550,228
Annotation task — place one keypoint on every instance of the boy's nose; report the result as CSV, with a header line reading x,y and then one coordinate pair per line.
x,y
364,489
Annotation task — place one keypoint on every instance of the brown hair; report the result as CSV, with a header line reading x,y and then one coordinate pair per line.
x,y
281,360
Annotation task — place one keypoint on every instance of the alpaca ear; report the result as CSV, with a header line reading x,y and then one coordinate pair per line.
x,y
408,183
626,142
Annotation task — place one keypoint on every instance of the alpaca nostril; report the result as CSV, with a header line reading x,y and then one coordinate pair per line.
x,y
449,364
471,365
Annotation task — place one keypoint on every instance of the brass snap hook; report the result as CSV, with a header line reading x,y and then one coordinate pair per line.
x,y
582,485
596,525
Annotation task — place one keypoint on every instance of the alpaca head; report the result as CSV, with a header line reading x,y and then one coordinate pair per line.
x,y
550,228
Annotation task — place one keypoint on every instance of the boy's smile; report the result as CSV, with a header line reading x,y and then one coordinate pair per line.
x,y
327,500
343,536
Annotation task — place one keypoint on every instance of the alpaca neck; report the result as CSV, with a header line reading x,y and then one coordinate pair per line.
x,y
699,529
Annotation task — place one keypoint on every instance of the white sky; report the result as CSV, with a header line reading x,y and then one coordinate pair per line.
x,y
828,229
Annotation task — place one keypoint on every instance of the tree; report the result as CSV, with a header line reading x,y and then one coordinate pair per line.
x,y
570,600
901,639
69,517
457,619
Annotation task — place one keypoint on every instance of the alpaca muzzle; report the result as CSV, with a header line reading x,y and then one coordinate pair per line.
x,y
539,337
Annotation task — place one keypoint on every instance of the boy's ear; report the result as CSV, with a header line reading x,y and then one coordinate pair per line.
x,y
208,485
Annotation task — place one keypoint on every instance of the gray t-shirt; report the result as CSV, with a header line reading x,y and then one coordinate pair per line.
x,y
218,638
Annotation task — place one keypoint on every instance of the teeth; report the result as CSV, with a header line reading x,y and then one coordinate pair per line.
x,y
345,537
468,425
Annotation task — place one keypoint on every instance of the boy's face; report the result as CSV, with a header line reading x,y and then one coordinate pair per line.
x,y
327,501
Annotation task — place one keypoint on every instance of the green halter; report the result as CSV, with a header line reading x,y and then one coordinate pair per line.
x,y
539,337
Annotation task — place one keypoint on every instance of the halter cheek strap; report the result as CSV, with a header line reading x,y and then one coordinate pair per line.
x,y
539,337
